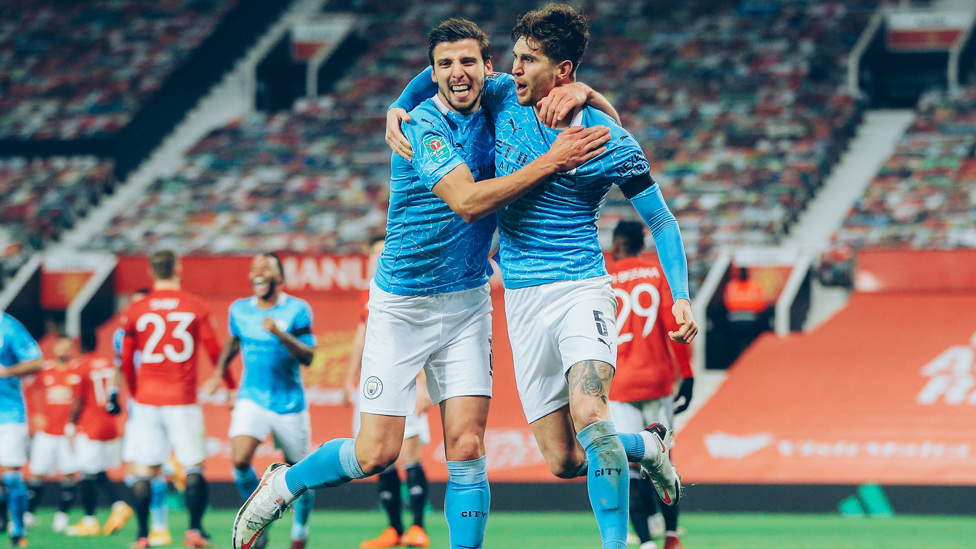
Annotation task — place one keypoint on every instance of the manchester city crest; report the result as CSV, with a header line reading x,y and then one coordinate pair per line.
x,y
372,388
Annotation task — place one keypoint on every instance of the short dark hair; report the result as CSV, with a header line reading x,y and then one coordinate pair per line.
x,y
163,264
274,256
455,30
560,31
631,234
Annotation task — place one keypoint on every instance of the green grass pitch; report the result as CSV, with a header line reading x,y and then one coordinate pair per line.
x,y
345,530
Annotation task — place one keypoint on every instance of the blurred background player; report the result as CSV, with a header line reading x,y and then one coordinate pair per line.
x,y
167,327
273,332
159,534
58,392
648,364
416,433
19,357
97,443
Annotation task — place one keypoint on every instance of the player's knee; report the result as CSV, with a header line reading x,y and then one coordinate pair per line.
x,y
376,459
194,479
142,489
565,468
465,447
588,413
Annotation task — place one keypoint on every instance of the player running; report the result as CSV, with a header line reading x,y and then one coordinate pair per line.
x,y
58,391
19,357
558,301
648,364
167,327
429,302
273,332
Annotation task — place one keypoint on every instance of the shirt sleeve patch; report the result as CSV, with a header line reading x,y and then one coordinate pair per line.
x,y
437,149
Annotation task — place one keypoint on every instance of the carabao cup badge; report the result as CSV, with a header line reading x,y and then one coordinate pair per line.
x,y
436,149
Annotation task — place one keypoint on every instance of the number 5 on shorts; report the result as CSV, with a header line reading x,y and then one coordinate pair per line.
x,y
601,324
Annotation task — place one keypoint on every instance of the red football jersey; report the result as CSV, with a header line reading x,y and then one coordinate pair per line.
x,y
58,389
168,327
648,362
96,377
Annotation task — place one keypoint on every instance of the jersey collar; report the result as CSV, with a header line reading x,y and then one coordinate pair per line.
x,y
440,105
281,300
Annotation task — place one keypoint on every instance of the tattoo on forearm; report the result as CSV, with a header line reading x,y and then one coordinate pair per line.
x,y
591,378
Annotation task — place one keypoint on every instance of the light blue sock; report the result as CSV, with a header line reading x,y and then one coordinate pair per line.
x,y
158,503
607,482
333,464
16,501
302,508
633,445
246,481
466,502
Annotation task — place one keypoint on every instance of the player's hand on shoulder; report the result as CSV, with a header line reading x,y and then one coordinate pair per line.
x,y
577,145
687,327
561,101
394,135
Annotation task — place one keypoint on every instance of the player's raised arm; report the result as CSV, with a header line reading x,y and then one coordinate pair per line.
x,y
420,88
574,147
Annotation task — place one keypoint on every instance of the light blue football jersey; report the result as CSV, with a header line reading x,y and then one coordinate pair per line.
x,y
429,248
16,346
550,233
272,378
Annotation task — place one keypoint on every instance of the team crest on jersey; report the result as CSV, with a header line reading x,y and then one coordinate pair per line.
x,y
436,148
372,388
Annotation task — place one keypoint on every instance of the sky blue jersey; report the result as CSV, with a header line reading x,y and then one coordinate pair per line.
x,y
429,248
16,346
550,233
272,378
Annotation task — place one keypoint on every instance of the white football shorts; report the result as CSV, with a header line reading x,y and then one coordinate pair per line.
x,y
632,417
292,433
153,431
448,335
95,456
50,454
552,327
14,443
